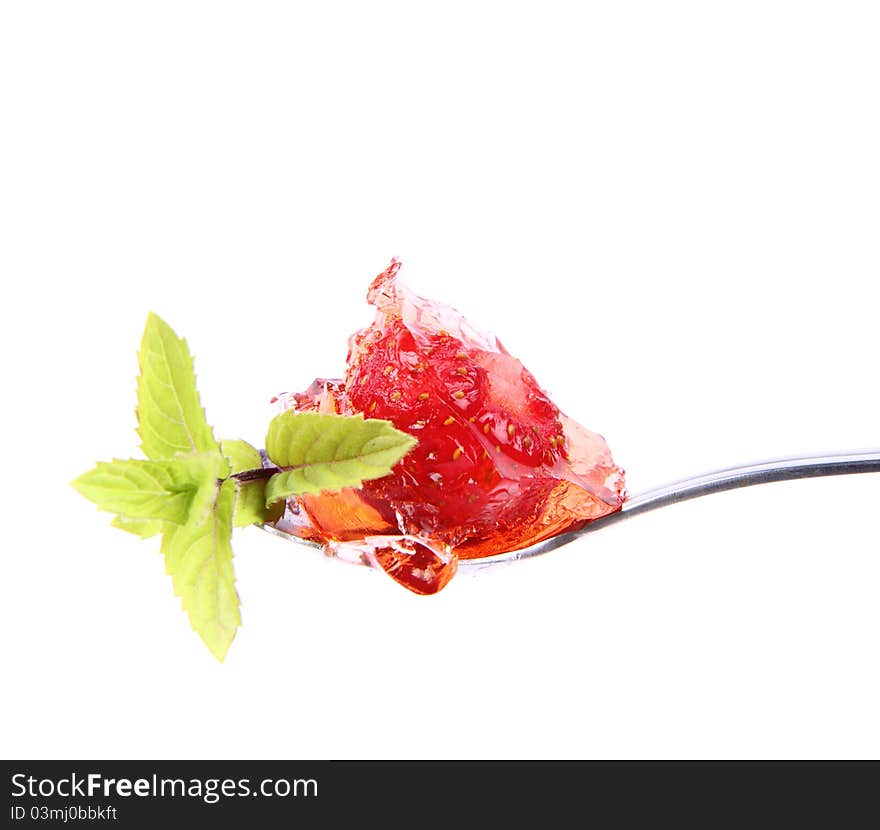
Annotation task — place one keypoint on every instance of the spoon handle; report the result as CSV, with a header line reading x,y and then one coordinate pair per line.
x,y
762,472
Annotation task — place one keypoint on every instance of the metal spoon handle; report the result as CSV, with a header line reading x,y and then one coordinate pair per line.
x,y
763,472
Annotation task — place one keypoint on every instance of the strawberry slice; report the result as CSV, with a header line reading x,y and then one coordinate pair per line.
x,y
498,467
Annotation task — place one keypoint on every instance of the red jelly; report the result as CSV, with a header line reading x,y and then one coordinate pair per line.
x,y
498,467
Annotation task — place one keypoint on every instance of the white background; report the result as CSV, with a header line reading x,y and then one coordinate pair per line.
x,y
669,211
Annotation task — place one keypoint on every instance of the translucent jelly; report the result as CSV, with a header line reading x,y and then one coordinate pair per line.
x,y
498,467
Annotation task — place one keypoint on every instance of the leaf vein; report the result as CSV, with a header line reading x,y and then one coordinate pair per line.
x,y
176,394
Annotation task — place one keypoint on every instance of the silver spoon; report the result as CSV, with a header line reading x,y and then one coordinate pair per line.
x,y
729,478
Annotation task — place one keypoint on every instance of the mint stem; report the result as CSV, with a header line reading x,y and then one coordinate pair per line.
x,y
257,474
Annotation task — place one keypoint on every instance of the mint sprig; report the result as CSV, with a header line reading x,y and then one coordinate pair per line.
x,y
193,490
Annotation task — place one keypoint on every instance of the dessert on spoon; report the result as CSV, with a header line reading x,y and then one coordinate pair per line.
x,y
497,466
436,450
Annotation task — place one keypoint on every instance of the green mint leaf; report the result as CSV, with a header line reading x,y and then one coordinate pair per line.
x,y
168,534
170,417
198,556
241,456
145,528
139,489
169,491
205,470
328,452
250,505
